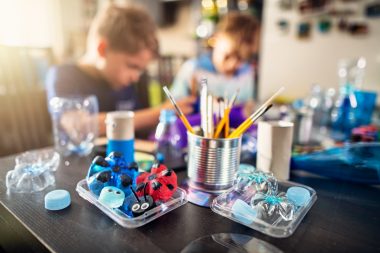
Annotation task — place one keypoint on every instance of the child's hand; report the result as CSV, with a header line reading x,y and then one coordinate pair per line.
x,y
185,104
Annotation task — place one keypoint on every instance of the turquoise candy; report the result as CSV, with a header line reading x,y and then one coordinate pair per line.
x,y
57,200
298,195
243,212
111,197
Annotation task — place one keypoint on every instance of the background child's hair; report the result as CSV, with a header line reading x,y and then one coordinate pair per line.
x,y
241,28
128,29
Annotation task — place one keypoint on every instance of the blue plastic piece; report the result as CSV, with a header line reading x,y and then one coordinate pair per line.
x,y
124,183
57,200
300,196
116,159
98,164
160,157
111,197
100,180
126,147
125,207
112,171
243,211
366,105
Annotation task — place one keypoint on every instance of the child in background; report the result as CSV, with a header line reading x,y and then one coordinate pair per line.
x,y
227,66
121,43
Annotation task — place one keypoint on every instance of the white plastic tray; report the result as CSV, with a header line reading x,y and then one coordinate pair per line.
x,y
178,199
223,203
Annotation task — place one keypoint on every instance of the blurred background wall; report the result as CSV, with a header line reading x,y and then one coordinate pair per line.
x,y
294,51
296,63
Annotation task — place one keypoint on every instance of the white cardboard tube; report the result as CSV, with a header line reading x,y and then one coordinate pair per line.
x,y
274,147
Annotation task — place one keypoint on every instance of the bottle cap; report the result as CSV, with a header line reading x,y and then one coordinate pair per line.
x,y
299,195
120,125
167,116
57,200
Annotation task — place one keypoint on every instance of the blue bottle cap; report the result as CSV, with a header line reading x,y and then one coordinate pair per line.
x,y
299,195
57,200
243,212
167,116
111,197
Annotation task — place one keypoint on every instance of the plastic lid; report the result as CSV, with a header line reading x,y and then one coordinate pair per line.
x,y
57,200
167,116
299,195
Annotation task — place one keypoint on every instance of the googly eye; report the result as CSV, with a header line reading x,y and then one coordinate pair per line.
x,y
117,192
109,190
135,207
144,206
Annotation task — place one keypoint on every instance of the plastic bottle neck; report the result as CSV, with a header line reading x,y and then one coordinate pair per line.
x,y
347,89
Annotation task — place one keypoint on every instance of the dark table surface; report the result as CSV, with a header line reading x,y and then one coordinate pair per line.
x,y
345,218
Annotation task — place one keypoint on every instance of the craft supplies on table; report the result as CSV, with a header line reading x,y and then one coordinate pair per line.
x,y
127,196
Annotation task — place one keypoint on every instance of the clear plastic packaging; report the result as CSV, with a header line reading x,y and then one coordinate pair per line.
x,y
178,199
223,205
34,171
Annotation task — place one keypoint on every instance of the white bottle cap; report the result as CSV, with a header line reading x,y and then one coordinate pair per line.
x,y
120,125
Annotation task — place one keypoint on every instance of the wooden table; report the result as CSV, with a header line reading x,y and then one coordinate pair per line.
x,y
345,218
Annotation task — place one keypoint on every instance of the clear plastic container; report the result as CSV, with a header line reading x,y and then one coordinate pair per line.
x,y
223,205
34,171
178,199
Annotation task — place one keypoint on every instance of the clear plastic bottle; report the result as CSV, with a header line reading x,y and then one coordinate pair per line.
x,y
314,103
327,106
167,136
343,118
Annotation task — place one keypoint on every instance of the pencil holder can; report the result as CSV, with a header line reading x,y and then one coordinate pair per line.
x,y
212,163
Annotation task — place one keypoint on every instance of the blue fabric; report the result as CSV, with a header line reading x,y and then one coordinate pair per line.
x,y
70,80
218,84
204,62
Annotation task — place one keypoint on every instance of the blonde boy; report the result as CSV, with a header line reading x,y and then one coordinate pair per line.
x,y
121,43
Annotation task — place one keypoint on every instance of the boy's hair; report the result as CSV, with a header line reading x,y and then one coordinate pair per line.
x,y
128,29
241,28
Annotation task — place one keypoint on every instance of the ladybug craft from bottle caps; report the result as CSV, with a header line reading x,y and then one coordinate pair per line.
x,y
111,171
160,183
119,185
